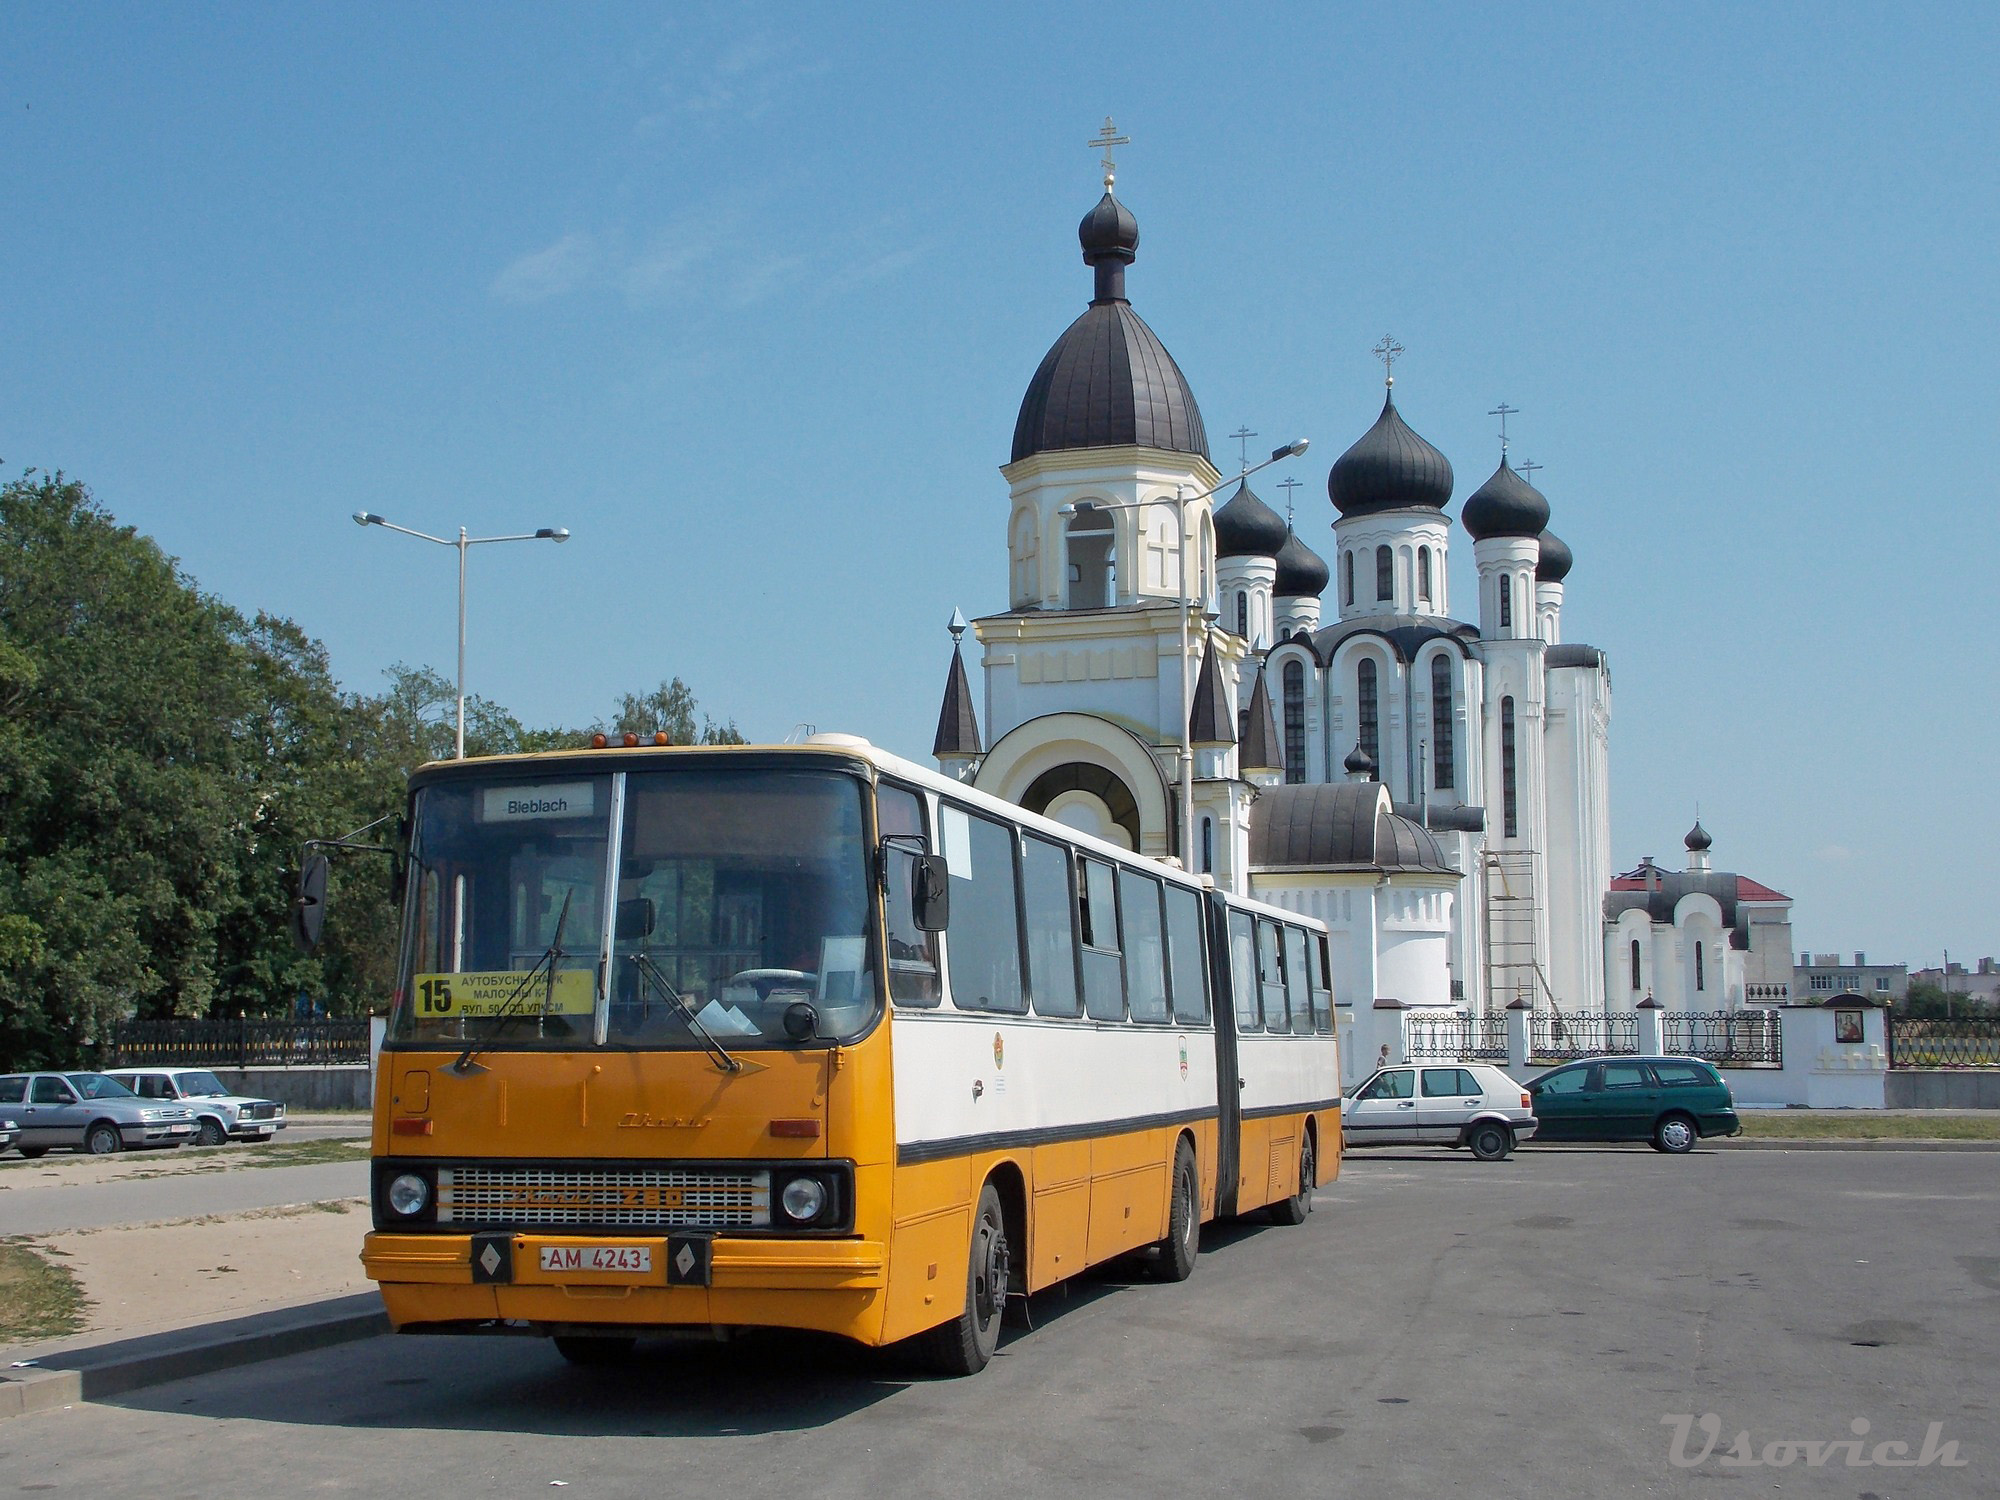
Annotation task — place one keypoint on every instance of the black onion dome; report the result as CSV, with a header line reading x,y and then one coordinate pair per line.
x,y
1108,230
1698,841
1302,574
1359,762
1506,505
1391,468
1109,382
1556,559
1247,527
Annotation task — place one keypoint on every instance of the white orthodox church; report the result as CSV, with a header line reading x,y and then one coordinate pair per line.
x,y
1434,789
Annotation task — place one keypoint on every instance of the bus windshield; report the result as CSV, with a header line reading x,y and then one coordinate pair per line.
x,y
731,895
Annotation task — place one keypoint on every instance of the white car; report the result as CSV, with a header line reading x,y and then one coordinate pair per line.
x,y
1467,1104
220,1114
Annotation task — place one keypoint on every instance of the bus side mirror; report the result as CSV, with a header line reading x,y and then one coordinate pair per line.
x,y
930,892
308,920
635,919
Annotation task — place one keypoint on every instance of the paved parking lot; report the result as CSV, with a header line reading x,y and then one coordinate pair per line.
x,y
1438,1327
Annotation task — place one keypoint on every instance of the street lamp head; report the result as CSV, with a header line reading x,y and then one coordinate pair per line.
x,y
1290,450
366,518
553,534
1066,511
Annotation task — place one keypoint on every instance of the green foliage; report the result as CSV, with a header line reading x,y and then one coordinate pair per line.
x,y
162,761
1926,999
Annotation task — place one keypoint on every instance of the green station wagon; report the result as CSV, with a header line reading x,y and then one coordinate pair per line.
x,y
1669,1101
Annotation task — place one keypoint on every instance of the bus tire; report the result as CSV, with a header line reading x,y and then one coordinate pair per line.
x,y
1293,1210
1174,1256
594,1349
966,1343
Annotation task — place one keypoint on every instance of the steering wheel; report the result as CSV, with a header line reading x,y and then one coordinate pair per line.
x,y
763,981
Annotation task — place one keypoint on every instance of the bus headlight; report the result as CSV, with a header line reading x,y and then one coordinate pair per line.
x,y
803,1199
408,1195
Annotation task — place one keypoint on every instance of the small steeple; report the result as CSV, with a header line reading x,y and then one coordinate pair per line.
x,y
958,725
1259,750
1208,724
1359,765
1698,844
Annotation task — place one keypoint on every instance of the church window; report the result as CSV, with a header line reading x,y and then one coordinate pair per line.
x,y
1444,759
1091,558
1385,573
1366,709
1509,802
1347,576
1506,601
1295,722
1635,963
1700,969
1424,574
1208,846
1243,614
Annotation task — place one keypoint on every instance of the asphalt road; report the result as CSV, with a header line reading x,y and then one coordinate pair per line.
x,y
175,1195
1439,1327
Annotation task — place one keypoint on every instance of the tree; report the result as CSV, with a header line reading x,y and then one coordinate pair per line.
x,y
671,707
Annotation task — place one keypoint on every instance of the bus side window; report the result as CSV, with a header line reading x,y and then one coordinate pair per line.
x,y
1322,995
1298,984
1145,946
1190,974
912,956
1045,896
983,947
1243,971
1097,924
1271,976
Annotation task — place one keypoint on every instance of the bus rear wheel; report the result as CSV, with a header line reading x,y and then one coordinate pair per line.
x,y
966,1343
1293,1210
1173,1257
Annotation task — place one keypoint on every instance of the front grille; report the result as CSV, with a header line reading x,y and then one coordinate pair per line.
x,y
605,1197
262,1112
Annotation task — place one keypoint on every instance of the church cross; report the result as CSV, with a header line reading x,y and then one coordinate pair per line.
x,y
1388,351
1288,485
1503,411
1526,469
1242,436
1103,141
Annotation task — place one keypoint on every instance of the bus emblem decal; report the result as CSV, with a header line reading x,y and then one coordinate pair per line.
x,y
999,1051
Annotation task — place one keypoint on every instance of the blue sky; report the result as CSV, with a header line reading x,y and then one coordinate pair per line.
x,y
747,297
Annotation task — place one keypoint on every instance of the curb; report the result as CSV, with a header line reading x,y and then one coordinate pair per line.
x,y
1840,1143
90,1374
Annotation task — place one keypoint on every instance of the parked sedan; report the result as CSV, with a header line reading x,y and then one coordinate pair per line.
x,y
1460,1104
88,1112
1670,1101
220,1113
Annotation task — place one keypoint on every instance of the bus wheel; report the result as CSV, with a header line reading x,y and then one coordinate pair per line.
x,y
966,1343
1173,1257
1293,1210
591,1349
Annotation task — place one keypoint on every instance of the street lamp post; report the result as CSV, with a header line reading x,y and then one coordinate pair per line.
x,y
1182,500
545,534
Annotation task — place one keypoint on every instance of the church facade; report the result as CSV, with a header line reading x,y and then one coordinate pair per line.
x,y
1434,789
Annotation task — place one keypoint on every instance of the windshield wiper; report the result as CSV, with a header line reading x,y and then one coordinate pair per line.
x,y
551,956
649,972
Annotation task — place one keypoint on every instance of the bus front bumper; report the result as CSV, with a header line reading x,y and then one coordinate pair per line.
x,y
430,1280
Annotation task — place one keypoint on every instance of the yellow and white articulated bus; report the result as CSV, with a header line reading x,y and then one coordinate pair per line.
x,y
806,1036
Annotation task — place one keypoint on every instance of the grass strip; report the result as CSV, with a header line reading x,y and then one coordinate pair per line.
x,y
39,1299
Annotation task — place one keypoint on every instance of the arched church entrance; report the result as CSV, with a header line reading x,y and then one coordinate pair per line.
x,y
1088,798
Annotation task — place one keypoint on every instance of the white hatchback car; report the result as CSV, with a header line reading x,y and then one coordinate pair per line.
x,y
220,1113
1468,1104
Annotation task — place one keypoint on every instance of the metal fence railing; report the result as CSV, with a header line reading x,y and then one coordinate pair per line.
x,y
1558,1038
1937,1042
240,1044
1456,1034
1736,1038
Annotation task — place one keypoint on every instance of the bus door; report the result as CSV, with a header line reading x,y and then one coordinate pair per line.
x,y
1228,1079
